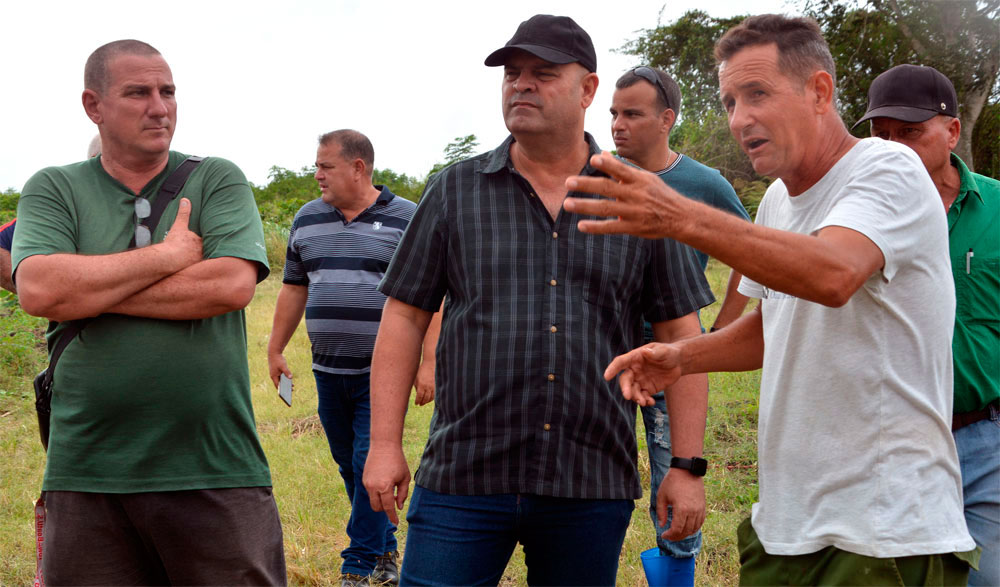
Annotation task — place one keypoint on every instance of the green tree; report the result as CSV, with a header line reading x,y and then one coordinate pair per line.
x,y
458,150
399,183
8,204
285,193
461,148
866,37
961,39
684,48
986,141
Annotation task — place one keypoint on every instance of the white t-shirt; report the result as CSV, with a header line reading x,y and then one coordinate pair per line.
x,y
854,437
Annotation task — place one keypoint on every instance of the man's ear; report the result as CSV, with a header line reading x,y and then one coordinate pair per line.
x,y
667,119
359,169
91,105
954,131
822,87
589,83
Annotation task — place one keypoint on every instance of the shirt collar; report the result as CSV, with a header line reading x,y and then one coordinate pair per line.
x,y
500,157
385,196
968,181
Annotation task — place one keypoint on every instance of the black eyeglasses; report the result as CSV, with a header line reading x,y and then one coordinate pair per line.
x,y
652,77
142,210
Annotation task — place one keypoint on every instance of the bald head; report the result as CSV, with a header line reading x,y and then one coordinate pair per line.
x,y
96,75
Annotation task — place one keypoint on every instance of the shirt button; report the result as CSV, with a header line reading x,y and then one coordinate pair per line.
x,y
552,282
547,427
552,377
553,328
555,235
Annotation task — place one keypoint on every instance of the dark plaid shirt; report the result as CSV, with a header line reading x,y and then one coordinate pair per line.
x,y
535,311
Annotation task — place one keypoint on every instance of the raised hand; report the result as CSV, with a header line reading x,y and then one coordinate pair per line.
x,y
642,204
184,245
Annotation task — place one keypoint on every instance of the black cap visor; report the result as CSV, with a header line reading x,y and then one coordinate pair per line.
x,y
499,57
904,113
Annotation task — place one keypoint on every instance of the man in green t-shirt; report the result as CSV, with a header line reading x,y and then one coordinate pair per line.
x,y
917,106
154,472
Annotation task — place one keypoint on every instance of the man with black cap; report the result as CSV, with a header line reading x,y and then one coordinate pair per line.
x,y
529,444
917,106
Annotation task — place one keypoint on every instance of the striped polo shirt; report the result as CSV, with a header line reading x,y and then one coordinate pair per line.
x,y
342,263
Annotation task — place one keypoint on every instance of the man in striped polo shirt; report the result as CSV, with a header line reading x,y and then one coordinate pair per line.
x,y
338,250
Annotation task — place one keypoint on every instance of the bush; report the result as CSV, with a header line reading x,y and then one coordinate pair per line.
x,y
276,241
8,204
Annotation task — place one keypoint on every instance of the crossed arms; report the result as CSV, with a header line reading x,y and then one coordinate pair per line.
x,y
169,280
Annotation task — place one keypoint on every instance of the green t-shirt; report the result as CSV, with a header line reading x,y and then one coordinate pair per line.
x,y
142,404
973,226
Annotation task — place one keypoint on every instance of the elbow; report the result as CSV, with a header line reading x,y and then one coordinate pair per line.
x,y
839,288
39,306
239,296
36,301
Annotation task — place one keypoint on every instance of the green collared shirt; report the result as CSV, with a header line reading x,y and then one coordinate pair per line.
x,y
974,240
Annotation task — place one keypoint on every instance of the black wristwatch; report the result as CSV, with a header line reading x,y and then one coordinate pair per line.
x,y
696,466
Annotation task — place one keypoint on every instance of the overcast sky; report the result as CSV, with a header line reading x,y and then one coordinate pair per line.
x,y
257,82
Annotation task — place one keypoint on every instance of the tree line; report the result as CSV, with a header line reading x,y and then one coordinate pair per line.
x,y
960,38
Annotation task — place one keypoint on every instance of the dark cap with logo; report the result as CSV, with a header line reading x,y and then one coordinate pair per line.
x,y
911,93
556,39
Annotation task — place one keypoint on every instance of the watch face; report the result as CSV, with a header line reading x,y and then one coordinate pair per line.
x,y
696,466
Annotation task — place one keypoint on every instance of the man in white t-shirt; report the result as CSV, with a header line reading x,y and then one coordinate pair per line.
x,y
858,473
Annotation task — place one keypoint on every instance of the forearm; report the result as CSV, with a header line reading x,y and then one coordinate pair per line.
x,y
208,288
801,265
733,304
394,365
6,280
738,347
66,286
429,346
687,399
288,312
687,405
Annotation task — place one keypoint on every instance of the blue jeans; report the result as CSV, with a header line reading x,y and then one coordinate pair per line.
x,y
657,423
979,456
345,413
468,539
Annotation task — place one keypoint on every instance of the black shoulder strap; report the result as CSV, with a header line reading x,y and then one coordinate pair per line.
x,y
168,191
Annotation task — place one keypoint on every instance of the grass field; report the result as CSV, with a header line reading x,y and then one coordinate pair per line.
x,y
310,494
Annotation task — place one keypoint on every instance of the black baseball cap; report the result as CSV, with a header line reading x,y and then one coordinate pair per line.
x,y
911,93
556,39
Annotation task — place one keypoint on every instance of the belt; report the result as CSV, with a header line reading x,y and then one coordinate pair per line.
x,y
966,418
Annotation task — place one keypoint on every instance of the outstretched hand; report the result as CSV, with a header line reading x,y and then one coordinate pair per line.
x,y
642,204
645,371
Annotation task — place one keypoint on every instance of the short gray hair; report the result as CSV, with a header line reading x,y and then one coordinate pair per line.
x,y
95,73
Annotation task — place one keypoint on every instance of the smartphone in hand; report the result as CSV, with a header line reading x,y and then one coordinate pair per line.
x,y
285,389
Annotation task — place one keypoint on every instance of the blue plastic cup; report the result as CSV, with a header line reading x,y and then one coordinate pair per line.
x,y
667,571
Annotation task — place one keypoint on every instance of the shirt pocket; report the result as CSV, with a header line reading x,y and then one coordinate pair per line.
x,y
613,272
978,289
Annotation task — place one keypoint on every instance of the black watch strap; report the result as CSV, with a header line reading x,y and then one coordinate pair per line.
x,y
695,465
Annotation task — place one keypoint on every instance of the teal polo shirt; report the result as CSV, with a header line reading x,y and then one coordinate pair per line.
x,y
974,241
